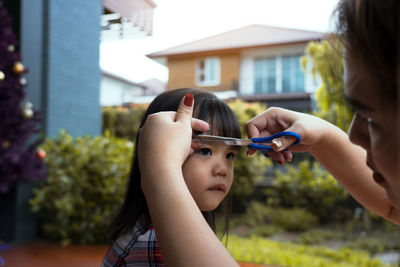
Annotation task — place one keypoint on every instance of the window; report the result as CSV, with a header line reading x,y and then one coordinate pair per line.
x,y
208,72
278,74
292,75
265,75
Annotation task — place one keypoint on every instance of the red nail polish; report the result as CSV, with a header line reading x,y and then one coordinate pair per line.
x,y
188,100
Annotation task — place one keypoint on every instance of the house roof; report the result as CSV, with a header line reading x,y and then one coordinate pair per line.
x,y
122,79
250,36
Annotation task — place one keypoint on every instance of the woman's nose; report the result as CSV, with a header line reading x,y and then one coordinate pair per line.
x,y
358,132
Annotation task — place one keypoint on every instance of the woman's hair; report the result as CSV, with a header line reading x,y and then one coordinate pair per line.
x,y
207,107
371,36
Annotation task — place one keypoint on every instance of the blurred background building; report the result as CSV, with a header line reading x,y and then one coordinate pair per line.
x,y
255,63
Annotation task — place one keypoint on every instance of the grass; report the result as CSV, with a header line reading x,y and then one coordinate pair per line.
x,y
266,251
341,244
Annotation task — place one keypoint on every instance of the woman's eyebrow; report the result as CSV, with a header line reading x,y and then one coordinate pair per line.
x,y
357,104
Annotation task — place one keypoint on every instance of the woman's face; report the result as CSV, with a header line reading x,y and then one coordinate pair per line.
x,y
374,127
208,174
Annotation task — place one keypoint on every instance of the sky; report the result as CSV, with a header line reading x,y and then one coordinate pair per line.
x,y
176,22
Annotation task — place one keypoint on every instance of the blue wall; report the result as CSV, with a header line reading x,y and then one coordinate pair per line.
x,y
60,46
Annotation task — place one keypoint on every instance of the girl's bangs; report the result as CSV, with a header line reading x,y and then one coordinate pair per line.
x,y
222,120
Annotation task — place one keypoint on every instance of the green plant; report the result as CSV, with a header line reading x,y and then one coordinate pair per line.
x,y
248,170
370,244
265,230
123,122
309,187
294,219
84,189
326,60
257,213
320,236
265,251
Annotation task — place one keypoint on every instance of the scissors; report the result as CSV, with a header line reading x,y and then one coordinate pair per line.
x,y
253,143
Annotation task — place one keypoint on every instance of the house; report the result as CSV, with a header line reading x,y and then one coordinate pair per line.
x,y
116,90
255,63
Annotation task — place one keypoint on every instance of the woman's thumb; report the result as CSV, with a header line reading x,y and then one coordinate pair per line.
x,y
281,143
185,109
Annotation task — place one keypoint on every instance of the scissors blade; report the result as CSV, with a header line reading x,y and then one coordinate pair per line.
x,y
203,138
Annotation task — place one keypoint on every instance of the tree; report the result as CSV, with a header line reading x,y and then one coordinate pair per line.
x,y
326,61
19,158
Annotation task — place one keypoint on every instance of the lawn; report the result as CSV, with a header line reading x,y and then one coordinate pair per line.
x,y
348,244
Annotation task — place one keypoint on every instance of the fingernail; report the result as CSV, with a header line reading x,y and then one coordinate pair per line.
x,y
188,100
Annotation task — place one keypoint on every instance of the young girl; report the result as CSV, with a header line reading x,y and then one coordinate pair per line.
x,y
208,173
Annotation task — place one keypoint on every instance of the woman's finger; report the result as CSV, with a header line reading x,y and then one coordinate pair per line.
x,y
199,125
185,109
283,142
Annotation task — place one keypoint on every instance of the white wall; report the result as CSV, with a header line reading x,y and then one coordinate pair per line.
x,y
114,92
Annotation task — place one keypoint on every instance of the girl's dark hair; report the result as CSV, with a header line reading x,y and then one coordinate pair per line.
x,y
371,37
207,107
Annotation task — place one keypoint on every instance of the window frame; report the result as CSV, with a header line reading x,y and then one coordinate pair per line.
x,y
280,75
199,70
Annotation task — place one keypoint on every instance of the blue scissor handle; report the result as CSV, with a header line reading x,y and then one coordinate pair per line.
x,y
270,138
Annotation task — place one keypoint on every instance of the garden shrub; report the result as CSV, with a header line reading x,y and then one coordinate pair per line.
x,y
375,241
84,189
249,170
265,251
370,244
257,213
265,230
293,219
309,187
123,122
320,236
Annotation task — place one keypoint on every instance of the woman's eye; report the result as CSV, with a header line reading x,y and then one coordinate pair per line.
x,y
363,119
372,124
369,122
231,156
204,151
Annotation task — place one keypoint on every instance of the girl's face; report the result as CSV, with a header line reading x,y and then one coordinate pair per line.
x,y
374,127
208,174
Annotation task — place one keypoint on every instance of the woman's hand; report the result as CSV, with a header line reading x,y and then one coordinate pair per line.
x,y
274,120
165,140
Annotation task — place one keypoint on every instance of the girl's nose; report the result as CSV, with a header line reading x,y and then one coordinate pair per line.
x,y
358,132
219,168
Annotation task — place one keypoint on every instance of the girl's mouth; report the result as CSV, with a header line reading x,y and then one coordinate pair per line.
x,y
218,187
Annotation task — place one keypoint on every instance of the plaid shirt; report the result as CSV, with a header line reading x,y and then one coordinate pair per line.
x,y
137,248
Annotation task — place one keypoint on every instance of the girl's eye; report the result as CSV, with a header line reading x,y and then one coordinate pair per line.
x,y
204,151
231,156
